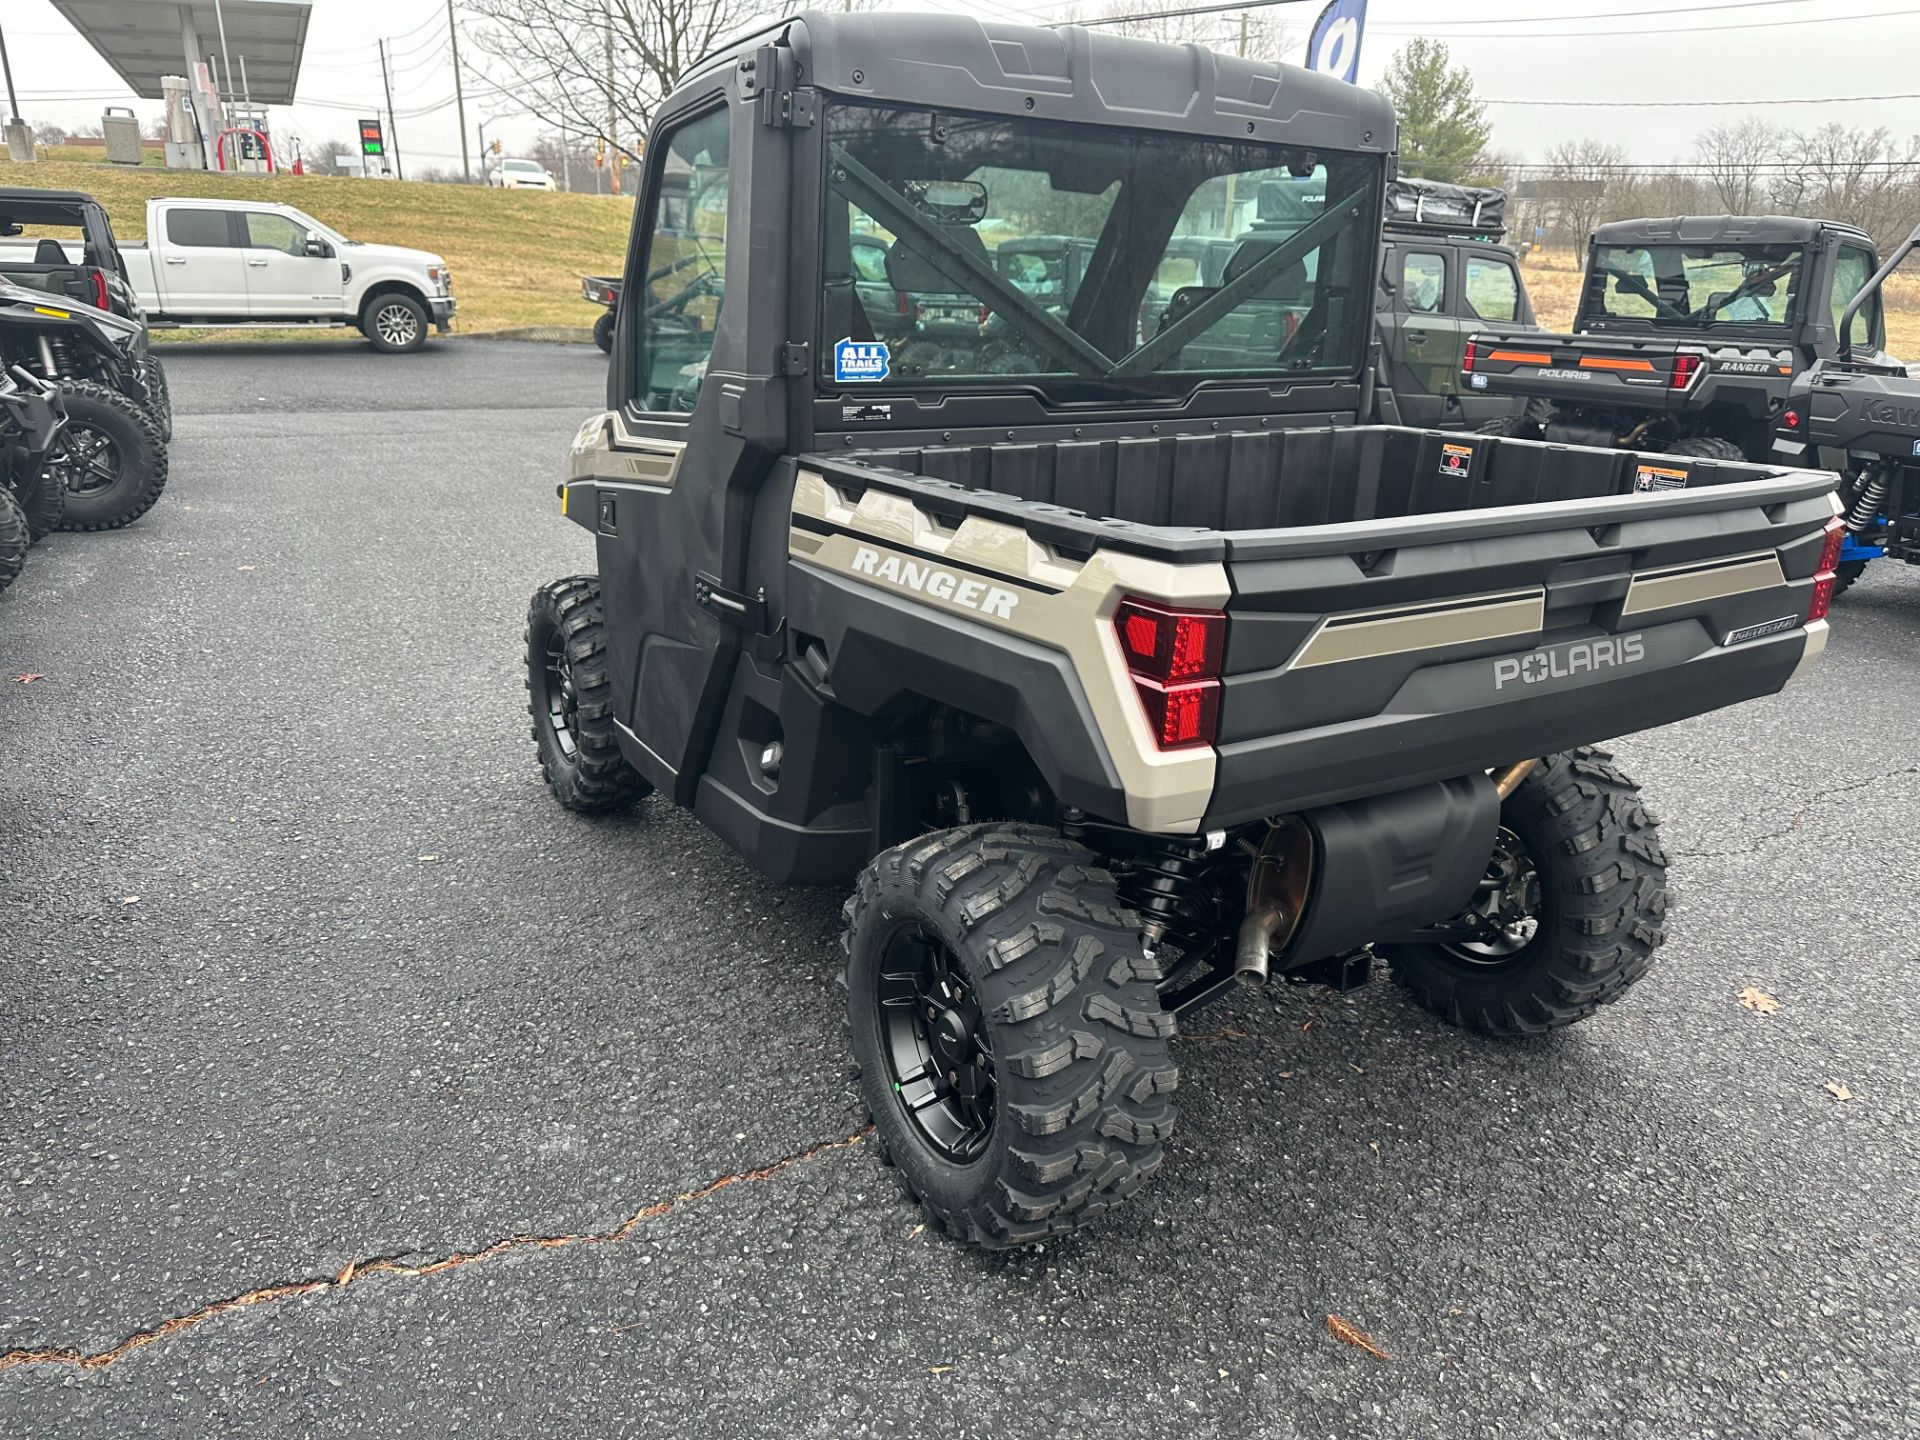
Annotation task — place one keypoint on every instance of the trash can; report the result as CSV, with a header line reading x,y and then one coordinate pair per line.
x,y
122,131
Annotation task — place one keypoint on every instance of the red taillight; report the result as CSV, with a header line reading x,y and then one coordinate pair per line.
x,y
900,305
1467,360
1684,369
99,289
1174,657
1828,571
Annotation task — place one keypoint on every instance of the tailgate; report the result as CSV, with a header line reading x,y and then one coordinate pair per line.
x,y
1584,369
1365,657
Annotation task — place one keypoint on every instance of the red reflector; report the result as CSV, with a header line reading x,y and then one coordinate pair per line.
x,y
1822,598
100,290
1791,419
1181,715
1467,360
1684,368
1170,645
1830,551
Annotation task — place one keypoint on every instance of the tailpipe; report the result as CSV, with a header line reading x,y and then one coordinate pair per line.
x,y
1255,941
1277,889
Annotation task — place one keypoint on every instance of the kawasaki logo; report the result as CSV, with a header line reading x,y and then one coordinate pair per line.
x,y
1885,412
932,580
1561,661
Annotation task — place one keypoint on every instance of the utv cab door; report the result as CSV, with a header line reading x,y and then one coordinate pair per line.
x,y
1420,342
1491,295
684,444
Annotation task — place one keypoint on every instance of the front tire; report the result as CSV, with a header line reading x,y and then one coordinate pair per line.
x,y
570,697
14,538
1572,910
159,396
1013,1052
44,502
603,333
110,459
396,323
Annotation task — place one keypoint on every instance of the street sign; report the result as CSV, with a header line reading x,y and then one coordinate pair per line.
x,y
372,141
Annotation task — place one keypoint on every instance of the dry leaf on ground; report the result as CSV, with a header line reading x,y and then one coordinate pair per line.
x,y
1759,1001
1838,1091
1344,1331
28,679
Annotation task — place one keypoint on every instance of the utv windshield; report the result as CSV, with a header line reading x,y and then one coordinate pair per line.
x,y
1689,287
1168,260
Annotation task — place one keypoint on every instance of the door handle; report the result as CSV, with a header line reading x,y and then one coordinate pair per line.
x,y
1416,337
261,264
176,259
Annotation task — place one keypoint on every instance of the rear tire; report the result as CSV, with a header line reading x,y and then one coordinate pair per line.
x,y
1590,881
1012,1048
1511,427
1707,447
1849,571
14,538
570,697
110,459
395,322
603,333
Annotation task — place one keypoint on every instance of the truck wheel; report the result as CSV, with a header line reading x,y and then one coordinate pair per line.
x,y
570,696
1011,1045
14,538
603,333
110,459
44,503
1707,447
159,396
396,323
1572,908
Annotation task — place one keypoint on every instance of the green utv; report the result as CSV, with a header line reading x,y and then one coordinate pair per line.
x,y
1112,671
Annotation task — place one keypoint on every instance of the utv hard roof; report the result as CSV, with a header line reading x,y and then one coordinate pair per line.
x,y
1719,229
1073,74
17,203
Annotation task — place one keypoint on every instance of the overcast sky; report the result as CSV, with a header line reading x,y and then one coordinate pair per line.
x,y
1761,56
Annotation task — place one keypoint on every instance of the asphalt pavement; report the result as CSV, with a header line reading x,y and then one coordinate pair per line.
x,y
367,1092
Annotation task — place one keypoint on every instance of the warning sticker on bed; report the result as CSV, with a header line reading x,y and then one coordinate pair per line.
x,y
1456,460
1659,477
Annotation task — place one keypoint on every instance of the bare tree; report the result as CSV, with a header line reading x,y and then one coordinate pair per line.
x,y
598,68
1862,177
1737,159
1579,173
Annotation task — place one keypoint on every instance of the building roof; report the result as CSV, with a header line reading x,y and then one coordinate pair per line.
x,y
141,40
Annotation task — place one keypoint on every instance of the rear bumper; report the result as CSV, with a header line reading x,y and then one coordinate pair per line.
x,y
1449,719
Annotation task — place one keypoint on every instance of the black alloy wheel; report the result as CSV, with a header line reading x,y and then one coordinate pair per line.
x,y
938,1048
1504,917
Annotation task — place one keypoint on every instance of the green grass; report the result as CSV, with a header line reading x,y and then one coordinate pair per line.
x,y
516,255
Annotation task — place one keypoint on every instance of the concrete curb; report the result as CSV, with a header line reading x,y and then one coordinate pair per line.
x,y
557,334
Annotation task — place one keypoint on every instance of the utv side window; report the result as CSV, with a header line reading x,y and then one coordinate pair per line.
x,y
1852,268
1423,282
683,265
1493,290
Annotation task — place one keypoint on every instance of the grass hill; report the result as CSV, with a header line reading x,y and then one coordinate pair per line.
x,y
516,255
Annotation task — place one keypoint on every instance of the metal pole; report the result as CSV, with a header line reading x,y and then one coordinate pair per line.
x,y
566,161
613,148
221,20
13,105
393,120
459,95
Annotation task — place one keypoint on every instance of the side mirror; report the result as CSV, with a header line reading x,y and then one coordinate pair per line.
x,y
319,250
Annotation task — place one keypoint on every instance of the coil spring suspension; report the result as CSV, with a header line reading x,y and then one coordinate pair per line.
x,y
1865,509
1182,894
55,359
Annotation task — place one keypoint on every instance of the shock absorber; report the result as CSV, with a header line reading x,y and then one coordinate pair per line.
x,y
49,366
1180,890
1865,510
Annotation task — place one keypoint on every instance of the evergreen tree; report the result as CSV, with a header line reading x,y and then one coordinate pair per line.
x,y
1443,127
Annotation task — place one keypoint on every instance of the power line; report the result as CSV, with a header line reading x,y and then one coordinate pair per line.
x,y
1171,14
1616,14
1748,103
1675,30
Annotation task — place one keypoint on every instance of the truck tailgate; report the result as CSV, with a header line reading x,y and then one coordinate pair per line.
x,y
1652,373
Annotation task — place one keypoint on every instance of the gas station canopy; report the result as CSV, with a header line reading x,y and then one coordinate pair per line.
x,y
145,39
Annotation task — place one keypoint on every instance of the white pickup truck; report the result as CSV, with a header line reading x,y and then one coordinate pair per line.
x,y
258,264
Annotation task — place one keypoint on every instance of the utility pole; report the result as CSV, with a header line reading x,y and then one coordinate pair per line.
x,y
613,148
459,95
566,161
393,121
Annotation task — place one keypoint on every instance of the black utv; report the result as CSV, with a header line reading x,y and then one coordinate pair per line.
x,y
31,419
111,459
1110,671
1689,337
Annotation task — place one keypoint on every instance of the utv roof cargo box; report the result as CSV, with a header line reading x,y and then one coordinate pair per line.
x,y
1456,209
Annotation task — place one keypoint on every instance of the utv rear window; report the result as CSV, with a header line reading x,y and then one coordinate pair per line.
x,y
1167,259
1693,286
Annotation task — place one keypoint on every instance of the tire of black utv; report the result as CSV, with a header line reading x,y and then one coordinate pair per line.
x,y
1848,572
395,322
1601,912
159,396
1518,426
44,502
603,333
14,538
1051,980
570,697
119,482
1706,447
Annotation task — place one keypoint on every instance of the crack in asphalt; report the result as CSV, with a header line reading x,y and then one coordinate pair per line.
x,y
389,1265
1754,846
